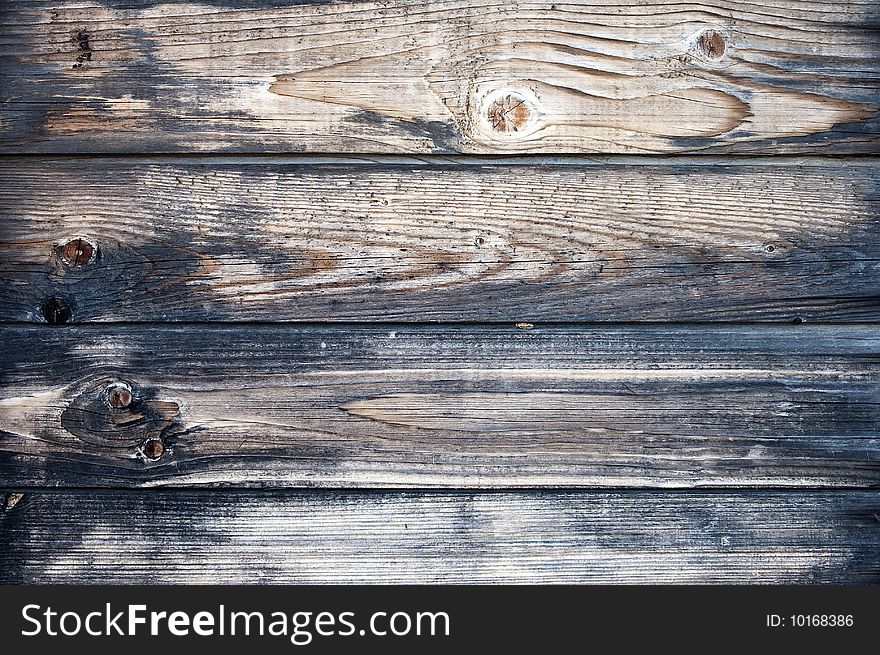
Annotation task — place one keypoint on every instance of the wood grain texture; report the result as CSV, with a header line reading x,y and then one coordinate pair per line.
x,y
241,240
637,76
445,406
164,537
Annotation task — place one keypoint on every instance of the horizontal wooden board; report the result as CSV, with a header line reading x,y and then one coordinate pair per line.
x,y
244,240
655,538
453,406
472,76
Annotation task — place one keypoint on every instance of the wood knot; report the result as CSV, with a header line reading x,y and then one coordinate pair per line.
x,y
119,395
508,112
712,45
77,252
56,310
153,449
119,415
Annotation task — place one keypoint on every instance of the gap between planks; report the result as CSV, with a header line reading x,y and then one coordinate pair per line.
x,y
368,159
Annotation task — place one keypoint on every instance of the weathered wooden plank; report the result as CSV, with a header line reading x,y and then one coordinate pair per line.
x,y
332,537
641,76
460,406
242,240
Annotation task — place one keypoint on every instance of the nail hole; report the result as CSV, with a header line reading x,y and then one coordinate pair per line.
x,y
770,247
153,449
479,241
77,252
56,311
119,395
712,44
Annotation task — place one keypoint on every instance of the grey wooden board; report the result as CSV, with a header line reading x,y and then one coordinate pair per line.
x,y
450,406
526,537
633,76
246,240
225,293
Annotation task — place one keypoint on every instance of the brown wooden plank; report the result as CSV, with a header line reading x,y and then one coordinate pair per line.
x,y
698,537
636,76
244,240
444,406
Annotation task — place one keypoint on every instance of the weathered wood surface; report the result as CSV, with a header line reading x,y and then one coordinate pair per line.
x,y
638,76
242,240
451,406
550,537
